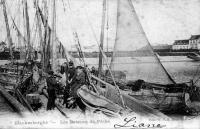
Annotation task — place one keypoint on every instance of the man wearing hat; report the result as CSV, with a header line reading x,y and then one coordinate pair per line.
x,y
52,85
71,71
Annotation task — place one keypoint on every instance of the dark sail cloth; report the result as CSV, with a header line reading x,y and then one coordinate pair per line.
x,y
78,81
51,90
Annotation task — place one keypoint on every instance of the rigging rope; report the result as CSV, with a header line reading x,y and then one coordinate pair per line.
x,y
81,54
168,75
93,32
9,13
195,75
107,23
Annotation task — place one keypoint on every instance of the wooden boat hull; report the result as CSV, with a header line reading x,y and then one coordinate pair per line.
x,y
165,102
97,102
16,85
173,101
10,81
195,58
110,92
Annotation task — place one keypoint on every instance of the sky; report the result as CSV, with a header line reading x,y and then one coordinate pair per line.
x,y
162,20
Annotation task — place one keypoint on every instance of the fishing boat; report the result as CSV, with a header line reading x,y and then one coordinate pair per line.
x,y
18,77
194,56
144,77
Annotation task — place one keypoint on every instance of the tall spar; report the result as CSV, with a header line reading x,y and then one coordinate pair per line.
x,y
102,38
53,35
7,29
27,30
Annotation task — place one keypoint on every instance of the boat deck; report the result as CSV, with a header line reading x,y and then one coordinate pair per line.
x,y
9,105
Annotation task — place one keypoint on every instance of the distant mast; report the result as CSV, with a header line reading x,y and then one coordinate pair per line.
x,y
39,28
7,29
53,35
27,29
102,38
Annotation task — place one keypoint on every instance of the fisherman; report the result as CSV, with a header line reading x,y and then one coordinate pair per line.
x,y
70,72
95,73
78,81
52,85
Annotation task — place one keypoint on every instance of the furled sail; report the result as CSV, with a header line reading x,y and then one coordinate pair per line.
x,y
133,54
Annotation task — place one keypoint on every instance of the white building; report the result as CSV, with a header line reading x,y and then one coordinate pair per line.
x,y
194,41
181,44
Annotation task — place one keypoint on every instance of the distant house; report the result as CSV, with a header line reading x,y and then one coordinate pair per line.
x,y
194,41
181,44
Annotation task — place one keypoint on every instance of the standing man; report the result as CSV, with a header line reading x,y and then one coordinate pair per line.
x,y
52,84
95,73
70,72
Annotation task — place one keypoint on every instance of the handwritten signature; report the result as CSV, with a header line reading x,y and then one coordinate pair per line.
x,y
133,124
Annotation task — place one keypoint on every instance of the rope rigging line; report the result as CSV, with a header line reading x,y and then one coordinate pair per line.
x,y
34,25
197,71
155,55
78,46
9,13
105,58
196,80
75,34
44,19
107,23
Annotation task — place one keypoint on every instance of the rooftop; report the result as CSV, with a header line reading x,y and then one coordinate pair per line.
x,y
193,37
181,42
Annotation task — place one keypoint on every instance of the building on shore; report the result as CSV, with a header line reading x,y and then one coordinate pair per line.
x,y
181,44
194,42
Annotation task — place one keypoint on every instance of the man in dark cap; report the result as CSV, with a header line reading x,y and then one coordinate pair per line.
x,y
95,73
52,85
71,71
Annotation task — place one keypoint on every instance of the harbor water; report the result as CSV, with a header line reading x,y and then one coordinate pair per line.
x,y
181,68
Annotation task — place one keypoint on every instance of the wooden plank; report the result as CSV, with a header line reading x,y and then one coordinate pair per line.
x,y
12,101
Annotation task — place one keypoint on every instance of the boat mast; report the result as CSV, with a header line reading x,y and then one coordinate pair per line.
x,y
39,27
18,22
53,35
27,29
7,29
46,43
102,38
107,26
